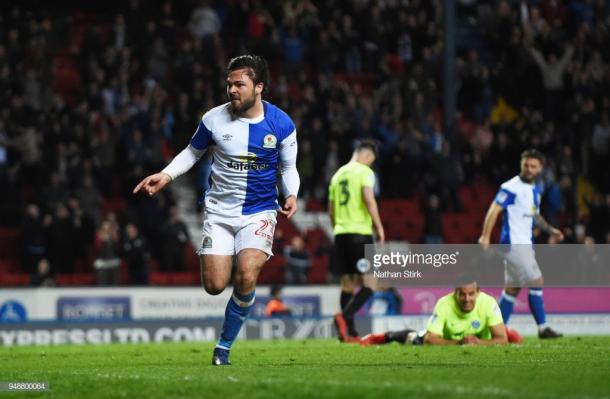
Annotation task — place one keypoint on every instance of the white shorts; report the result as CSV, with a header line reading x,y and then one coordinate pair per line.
x,y
520,266
228,235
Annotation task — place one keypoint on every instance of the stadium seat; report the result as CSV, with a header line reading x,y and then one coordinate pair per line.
x,y
10,265
314,239
319,269
9,243
273,272
14,279
287,227
313,205
184,278
64,279
83,279
462,227
159,278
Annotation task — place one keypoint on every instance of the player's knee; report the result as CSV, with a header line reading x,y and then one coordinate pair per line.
x,y
213,287
245,282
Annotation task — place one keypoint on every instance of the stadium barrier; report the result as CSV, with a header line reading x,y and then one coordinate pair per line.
x,y
152,314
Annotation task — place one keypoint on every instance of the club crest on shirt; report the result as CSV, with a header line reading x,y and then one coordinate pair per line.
x,y
270,141
475,324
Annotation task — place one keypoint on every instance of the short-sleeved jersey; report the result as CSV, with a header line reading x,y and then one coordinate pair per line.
x,y
345,195
450,322
245,156
521,203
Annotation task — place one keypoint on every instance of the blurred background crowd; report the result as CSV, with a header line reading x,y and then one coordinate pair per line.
x,y
95,96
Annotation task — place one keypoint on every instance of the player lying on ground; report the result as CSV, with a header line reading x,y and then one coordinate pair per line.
x,y
466,316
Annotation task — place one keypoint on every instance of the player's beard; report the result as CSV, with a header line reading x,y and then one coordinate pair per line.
x,y
529,179
245,105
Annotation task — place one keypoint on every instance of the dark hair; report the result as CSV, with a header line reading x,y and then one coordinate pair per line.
x,y
275,290
466,278
367,144
533,153
257,68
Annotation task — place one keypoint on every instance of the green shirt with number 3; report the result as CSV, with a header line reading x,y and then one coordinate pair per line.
x,y
345,194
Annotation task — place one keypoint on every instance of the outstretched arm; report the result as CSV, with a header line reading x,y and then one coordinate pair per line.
x,y
178,166
539,58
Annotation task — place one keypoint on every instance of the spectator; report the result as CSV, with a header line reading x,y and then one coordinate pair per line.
x,y
433,225
297,261
175,240
90,200
600,144
83,227
552,70
107,261
32,233
136,255
204,21
276,307
3,153
351,74
56,192
43,277
29,145
61,236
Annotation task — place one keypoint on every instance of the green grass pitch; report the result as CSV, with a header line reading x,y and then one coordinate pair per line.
x,y
566,368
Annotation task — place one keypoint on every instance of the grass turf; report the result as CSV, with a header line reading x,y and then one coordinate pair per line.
x,y
566,368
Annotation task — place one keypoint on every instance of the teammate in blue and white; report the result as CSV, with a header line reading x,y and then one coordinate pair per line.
x,y
519,199
249,140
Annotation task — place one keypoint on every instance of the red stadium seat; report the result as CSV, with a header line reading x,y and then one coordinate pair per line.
x,y
64,279
14,279
461,228
159,278
274,271
319,269
83,279
184,278
313,205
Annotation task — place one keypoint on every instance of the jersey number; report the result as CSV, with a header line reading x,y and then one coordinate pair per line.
x,y
266,229
344,193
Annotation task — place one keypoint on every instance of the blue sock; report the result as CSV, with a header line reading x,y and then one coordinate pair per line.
x,y
537,305
507,302
237,310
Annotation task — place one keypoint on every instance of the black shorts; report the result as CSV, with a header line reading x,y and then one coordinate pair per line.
x,y
349,249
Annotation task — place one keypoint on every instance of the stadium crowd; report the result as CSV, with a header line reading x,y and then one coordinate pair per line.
x,y
94,97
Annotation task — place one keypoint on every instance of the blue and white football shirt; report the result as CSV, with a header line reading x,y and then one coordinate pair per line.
x,y
521,203
246,156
